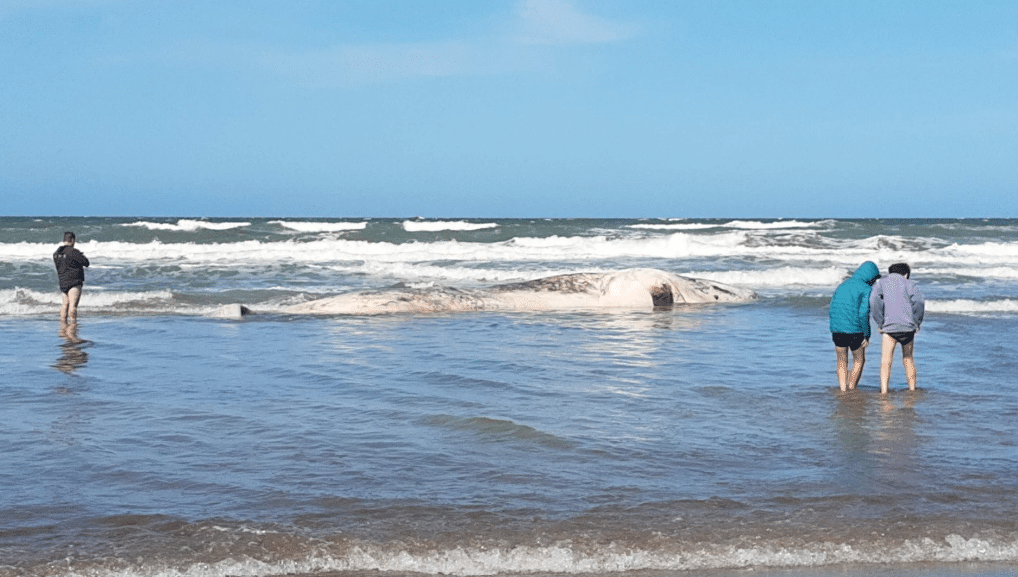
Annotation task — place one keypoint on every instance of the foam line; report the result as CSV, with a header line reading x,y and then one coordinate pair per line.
x,y
189,225
969,306
436,226
303,226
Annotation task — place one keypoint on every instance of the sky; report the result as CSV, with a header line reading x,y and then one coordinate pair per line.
x,y
509,108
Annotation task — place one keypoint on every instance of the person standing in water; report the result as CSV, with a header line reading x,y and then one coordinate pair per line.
x,y
70,263
897,308
850,322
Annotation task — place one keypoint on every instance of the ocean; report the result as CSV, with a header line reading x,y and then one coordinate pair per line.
x,y
158,438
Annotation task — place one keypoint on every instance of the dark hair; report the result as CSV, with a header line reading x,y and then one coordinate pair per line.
x,y
68,236
900,268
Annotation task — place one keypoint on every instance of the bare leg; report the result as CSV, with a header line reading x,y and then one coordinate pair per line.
x,y
63,309
858,362
70,310
887,344
842,353
909,362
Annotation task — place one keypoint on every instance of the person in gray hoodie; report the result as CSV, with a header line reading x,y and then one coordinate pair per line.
x,y
897,307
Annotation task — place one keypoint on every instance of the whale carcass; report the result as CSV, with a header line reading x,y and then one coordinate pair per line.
x,y
638,288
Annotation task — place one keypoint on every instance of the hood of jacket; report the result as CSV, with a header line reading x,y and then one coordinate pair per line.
x,y
867,272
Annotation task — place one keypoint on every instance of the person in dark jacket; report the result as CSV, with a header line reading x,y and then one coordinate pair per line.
x,y
70,263
850,322
897,307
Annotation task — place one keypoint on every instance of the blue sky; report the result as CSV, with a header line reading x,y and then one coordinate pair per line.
x,y
530,108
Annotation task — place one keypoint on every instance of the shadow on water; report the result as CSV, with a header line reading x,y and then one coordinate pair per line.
x,y
73,356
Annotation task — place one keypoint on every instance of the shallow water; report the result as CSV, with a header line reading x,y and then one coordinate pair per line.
x,y
593,442
706,440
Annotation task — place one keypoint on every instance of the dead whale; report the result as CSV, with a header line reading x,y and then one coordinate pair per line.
x,y
638,288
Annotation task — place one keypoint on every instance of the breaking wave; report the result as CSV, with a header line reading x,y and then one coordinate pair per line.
x,y
188,225
972,306
436,226
265,553
311,226
993,259
25,302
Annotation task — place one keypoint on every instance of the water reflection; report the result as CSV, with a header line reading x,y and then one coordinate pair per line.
x,y
878,441
896,443
636,338
72,354
855,439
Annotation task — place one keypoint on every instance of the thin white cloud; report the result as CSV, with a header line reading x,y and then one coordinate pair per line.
x,y
530,36
562,22
536,23
367,63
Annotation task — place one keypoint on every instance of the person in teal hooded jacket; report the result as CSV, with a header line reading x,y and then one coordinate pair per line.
x,y
850,322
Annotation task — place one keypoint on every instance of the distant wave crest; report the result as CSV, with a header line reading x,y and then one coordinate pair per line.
x,y
972,306
436,226
312,226
837,258
736,224
188,225
783,276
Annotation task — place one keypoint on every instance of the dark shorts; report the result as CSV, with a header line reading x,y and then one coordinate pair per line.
x,y
903,338
850,340
68,289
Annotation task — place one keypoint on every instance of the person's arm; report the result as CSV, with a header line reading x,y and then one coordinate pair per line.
x,y
81,258
877,304
918,305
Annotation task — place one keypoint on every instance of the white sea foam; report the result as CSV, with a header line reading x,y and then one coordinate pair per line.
x,y
188,225
734,224
883,248
974,226
970,306
22,301
785,276
431,274
892,244
435,226
998,260
677,245
523,249
685,226
571,559
310,226
985,250
986,273
756,225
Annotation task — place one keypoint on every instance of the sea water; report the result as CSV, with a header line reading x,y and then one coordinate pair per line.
x,y
156,439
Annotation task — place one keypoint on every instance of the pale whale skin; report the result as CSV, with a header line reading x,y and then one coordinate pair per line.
x,y
638,288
